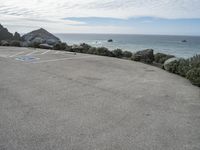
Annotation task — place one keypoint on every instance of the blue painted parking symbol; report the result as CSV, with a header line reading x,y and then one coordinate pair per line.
x,y
27,58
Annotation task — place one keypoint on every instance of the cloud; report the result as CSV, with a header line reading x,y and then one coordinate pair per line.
x,y
51,12
103,8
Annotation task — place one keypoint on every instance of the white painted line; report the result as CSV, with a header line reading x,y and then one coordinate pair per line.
x,y
57,52
64,52
31,53
16,54
53,60
45,52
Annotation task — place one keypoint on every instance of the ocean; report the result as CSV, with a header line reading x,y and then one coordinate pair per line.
x,y
160,43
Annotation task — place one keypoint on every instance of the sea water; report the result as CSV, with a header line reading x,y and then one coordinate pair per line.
x,y
173,45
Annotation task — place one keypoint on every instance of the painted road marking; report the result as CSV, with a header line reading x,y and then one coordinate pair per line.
x,y
61,59
16,54
31,53
27,58
46,52
57,52
64,52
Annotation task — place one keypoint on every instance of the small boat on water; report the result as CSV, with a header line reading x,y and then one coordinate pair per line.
x,y
110,40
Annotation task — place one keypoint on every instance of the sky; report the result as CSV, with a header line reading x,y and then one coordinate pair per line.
x,y
168,17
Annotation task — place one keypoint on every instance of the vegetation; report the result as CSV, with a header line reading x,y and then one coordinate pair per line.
x,y
103,52
194,76
195,61
117,53
189,68
35,45
127,54
161,58
15,43
85,47
183,67
145,56
60,46
172,66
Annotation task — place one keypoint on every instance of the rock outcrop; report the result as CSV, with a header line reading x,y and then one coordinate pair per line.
x,y
5,34
46,46
40,36
161,57
170,63
145,56
17,36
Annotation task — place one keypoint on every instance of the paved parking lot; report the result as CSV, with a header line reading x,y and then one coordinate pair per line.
x,y
54,100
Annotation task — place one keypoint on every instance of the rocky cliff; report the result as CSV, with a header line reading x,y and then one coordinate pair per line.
x,y
41,36
5,34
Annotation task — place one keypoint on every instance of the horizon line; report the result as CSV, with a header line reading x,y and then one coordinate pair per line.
x,y
133,34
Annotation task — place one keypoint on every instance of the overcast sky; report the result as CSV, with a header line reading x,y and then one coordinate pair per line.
x,y
103,16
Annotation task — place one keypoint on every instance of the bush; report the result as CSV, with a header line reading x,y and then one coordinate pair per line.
x,y
15,43
77,48
161,58
127,54
103,52
183,67
117,53
189,68
194,76
171,65
4,43
178,66
35,45
92,50
195,61
68,48
145,56
85,47
135,57
60,46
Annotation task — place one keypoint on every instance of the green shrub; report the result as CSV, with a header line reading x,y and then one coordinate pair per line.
x,y
117,53
161,58
35,45
77,48
4,43
135,58
194,76
171,65
183,67
85,47
92,50
15,43
145,56
127,54
195,61
60,46
103,51
68,48
178,66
